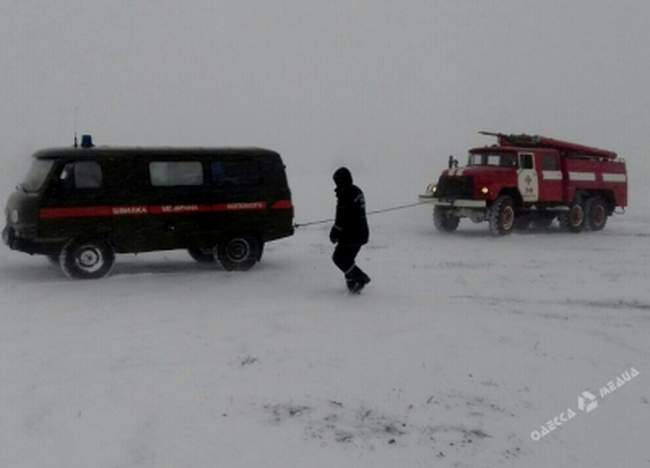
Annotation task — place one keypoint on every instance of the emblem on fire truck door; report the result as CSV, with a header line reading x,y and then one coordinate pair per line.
x,y
529,180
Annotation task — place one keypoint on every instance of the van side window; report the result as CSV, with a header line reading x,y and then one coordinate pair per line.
x,y
175,173
526,161
550,163
235,173
82,175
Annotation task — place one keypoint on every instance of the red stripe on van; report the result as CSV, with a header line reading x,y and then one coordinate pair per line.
x,y
282,205
80,212
139,210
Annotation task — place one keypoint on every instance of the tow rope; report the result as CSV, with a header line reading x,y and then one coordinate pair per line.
x,y
369,213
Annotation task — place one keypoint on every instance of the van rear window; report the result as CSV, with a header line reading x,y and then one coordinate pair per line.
x,y
175,173
235,173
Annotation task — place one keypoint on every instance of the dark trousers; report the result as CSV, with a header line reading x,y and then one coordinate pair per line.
x,y
343,257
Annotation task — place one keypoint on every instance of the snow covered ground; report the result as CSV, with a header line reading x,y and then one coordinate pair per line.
x,y
460,347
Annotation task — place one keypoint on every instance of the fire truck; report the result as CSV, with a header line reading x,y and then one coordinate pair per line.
x,y
530,180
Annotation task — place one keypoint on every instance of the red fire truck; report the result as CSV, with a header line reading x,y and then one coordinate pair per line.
x,y
530,179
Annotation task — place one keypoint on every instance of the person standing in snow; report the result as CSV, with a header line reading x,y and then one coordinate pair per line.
x,y
350,231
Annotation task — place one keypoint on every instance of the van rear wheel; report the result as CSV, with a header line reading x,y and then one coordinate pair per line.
x,y
87,259
239,252
201,255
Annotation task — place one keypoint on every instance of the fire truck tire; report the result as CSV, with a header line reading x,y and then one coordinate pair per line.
x,y
573,220
596,213
445,221
86,258
239,252
502,216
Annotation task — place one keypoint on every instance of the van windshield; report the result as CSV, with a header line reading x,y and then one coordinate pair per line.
x,y
36,175
490,159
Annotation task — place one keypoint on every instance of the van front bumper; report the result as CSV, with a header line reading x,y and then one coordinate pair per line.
x,y
15,241
7,236
452,203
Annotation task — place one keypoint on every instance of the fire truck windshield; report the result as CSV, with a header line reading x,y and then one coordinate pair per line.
x,y
492,159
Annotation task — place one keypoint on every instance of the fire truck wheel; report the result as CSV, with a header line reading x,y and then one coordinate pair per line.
x,y
596,213
86,259
502,216
239,253
573,220
201,255
444,220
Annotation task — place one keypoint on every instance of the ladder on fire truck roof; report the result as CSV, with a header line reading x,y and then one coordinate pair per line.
x,y
537,141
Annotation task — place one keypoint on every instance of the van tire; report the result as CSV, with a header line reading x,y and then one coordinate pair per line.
x,y
86,259
595,213
239,253
201,255
501,216
444,220
575,219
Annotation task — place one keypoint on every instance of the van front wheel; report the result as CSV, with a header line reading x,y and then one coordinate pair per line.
x,y
86,259
239,253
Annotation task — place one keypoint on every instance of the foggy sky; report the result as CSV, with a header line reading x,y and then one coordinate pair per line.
x,y
389,88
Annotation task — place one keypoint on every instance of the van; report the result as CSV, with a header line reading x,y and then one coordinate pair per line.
x,y
81,206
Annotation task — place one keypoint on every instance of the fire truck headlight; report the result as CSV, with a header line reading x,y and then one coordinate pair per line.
x,y
433,189
14,216
484,190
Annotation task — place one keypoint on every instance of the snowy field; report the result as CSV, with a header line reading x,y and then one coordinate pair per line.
x,y
460,347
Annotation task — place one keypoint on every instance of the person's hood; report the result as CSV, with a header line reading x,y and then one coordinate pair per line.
x,y
342,177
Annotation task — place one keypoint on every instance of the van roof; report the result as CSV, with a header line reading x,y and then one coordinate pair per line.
x,y
99,152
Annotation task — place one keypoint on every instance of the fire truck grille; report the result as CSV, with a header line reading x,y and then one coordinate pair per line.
x,y
454,187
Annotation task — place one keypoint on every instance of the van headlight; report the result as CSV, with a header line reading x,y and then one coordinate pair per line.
x,y
14,216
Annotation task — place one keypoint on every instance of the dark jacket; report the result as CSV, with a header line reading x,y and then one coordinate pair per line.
x,y
351,225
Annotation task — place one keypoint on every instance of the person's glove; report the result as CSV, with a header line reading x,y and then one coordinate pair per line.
x,y
334,234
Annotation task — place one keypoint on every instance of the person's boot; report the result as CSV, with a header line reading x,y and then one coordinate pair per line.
x,y
356,280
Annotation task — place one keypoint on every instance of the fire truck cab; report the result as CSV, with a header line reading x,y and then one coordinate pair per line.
x,y
529,180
